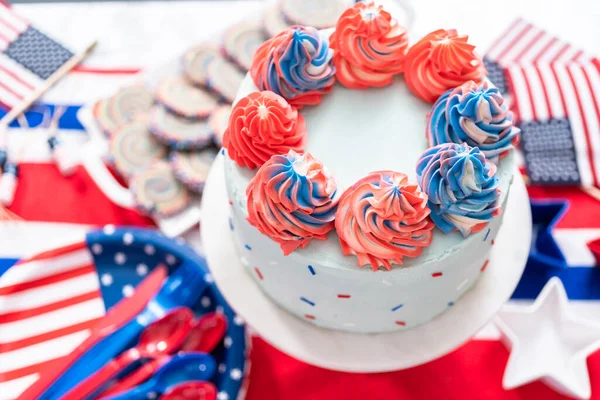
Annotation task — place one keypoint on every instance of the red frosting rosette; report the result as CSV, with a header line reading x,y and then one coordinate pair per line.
x,y
370,47
383,218
440,61
261,125
292,199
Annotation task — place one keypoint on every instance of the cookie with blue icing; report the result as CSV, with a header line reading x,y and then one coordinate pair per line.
x,y
224,78
192,167
184,99
178,132
196,60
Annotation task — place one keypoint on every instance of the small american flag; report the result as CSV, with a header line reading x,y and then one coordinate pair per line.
x,y
27,58
555,93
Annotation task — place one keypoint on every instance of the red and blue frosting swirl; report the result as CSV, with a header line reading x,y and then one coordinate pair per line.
x,y
383,218
296,64
370,47
474,114
292,199
461,185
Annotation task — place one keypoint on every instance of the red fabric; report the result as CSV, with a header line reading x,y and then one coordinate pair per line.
x,y
43,194
583,212
474,371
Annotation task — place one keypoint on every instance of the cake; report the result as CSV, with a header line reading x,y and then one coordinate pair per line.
x,y
367,175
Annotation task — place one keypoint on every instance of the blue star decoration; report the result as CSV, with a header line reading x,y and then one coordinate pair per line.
x,y
546,259
124,256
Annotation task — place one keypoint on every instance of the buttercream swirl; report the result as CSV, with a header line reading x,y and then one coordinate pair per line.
x,y
261,125
292,199
461,185
383,218
440,61
474,114
295,64
370,47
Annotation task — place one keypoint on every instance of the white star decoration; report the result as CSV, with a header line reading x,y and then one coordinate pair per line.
x,y
222,396
548,342
236,374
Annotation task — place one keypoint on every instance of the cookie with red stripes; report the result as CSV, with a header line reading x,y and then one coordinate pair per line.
x,y
101,114
196,60
130,103
178,132
316,13
184,99
274,22
241,41
192,168
218,121
133,148
158,192
224,78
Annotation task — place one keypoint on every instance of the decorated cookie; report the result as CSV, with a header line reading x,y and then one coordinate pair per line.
x,y
218,121
318,13
192,168
224,78
178,132
133,148
103,118
158,192
129,103
241,41
274,22
196,60
185,100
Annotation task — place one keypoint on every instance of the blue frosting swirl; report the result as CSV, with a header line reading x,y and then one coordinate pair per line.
x,y
461,185
474,114
296,64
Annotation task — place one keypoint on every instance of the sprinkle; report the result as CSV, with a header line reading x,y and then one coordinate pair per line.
x,y
230,202
307,316
307,301
248,247
258,273
230,223
486,234
436,274
450,304
312,270
399,306
223,151
493,241
485,264
401,323
343,296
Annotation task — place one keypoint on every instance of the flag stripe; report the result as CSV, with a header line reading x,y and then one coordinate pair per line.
x,y
19,24
496,44
16,77
12,389
32,312
48,280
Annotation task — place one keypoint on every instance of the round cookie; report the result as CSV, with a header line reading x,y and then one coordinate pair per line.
x,y
178,132
133,148
274,21
241,41
129,103
224,78
185,100
196,60
218,122
158,192
192,168
101,114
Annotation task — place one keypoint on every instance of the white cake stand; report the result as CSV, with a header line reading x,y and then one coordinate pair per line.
x,y
354,352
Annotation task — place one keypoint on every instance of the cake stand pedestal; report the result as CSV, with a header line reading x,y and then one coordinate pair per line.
x,y
354,352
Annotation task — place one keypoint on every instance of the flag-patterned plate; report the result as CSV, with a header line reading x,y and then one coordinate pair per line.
x,y
49,302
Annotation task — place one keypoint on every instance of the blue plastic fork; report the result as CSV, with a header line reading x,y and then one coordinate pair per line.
x,y
182,288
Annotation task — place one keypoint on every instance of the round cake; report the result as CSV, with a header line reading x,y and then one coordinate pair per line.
x,y
367,175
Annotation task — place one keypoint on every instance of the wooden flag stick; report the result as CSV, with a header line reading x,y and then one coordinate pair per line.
x,y
51,81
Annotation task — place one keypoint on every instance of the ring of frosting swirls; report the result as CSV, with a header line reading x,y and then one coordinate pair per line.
x,y
440,61
296,64
370,47
292,199
383,218
261,125
474,114
461,185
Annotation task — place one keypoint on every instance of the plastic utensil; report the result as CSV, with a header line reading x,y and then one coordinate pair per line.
x,y
181,368
205,335
116,317
195,390
182,288
161,337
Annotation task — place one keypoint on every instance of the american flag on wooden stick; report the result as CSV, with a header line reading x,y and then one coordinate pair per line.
x,y
555,91
28,58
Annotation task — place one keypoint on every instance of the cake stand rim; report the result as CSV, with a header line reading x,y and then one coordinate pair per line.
x,y
386,348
